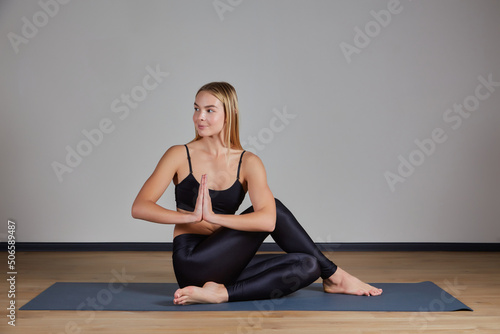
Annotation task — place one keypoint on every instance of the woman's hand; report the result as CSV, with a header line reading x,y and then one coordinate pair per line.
x,y
203,208
198,209
207,211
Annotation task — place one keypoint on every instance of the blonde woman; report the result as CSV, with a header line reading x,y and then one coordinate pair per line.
x,y
214,250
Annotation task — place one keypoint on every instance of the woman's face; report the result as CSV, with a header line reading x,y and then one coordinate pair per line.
x,y
208,117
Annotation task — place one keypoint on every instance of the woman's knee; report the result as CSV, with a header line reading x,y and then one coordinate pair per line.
x,y
309,269
281,209
314,267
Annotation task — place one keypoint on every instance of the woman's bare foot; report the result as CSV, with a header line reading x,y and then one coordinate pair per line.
x,y
343,282
210,293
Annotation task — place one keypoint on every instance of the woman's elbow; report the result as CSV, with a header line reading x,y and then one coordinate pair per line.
x,y
270,224
134,212
270,221
137,210
270,227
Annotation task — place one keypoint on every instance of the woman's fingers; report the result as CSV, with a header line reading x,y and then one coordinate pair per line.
x,y
198,209
205,189
207,201
206,196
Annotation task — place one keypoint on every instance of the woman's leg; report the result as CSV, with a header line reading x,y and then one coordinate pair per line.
x,y
267,276
274,276
219,257
198,258
228,257
223,267
204,264
291,237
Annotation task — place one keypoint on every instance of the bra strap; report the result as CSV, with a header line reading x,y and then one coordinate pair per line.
x,y
239,165
189,160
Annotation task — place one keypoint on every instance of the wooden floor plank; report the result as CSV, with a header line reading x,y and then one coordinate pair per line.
x,y
473,277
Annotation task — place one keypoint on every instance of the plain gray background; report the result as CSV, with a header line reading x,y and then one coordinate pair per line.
x,y
334,95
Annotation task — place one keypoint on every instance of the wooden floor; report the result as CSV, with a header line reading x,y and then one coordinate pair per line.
x,y
474,278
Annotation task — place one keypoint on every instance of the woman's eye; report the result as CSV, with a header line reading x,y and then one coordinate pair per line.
x,y
210,110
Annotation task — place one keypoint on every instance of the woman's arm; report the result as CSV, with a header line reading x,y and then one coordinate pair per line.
x,y
264,216
145,206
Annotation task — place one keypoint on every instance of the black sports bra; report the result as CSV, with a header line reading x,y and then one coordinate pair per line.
x,y
223,201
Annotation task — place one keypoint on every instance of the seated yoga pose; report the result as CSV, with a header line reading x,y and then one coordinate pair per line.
x,y
215,256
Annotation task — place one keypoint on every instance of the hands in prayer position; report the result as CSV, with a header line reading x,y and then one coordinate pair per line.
x,y
203,209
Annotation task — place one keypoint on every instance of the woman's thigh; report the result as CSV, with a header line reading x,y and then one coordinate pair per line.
x,y
274,276
219,257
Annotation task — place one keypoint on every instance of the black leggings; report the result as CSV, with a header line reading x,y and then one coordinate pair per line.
x,y
229,257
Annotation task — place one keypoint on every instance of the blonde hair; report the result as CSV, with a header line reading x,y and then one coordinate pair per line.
x,y
227,95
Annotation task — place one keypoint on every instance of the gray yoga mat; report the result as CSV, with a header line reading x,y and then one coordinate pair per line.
x,y
402,297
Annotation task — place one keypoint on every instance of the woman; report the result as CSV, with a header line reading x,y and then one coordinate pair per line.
x,y
214,250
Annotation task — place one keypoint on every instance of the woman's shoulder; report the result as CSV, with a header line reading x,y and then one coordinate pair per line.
x,y
252,169
251,160
174,153
176,149
248,155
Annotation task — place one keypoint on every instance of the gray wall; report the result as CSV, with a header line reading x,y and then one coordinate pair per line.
x,y
375,119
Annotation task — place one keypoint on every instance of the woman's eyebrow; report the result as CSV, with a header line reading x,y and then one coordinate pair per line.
x,y
209,106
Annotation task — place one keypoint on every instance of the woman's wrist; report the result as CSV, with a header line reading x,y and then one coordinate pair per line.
x,y
190,217
211,218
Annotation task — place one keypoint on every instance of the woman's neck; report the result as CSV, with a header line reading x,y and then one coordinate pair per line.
x,y
214,146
